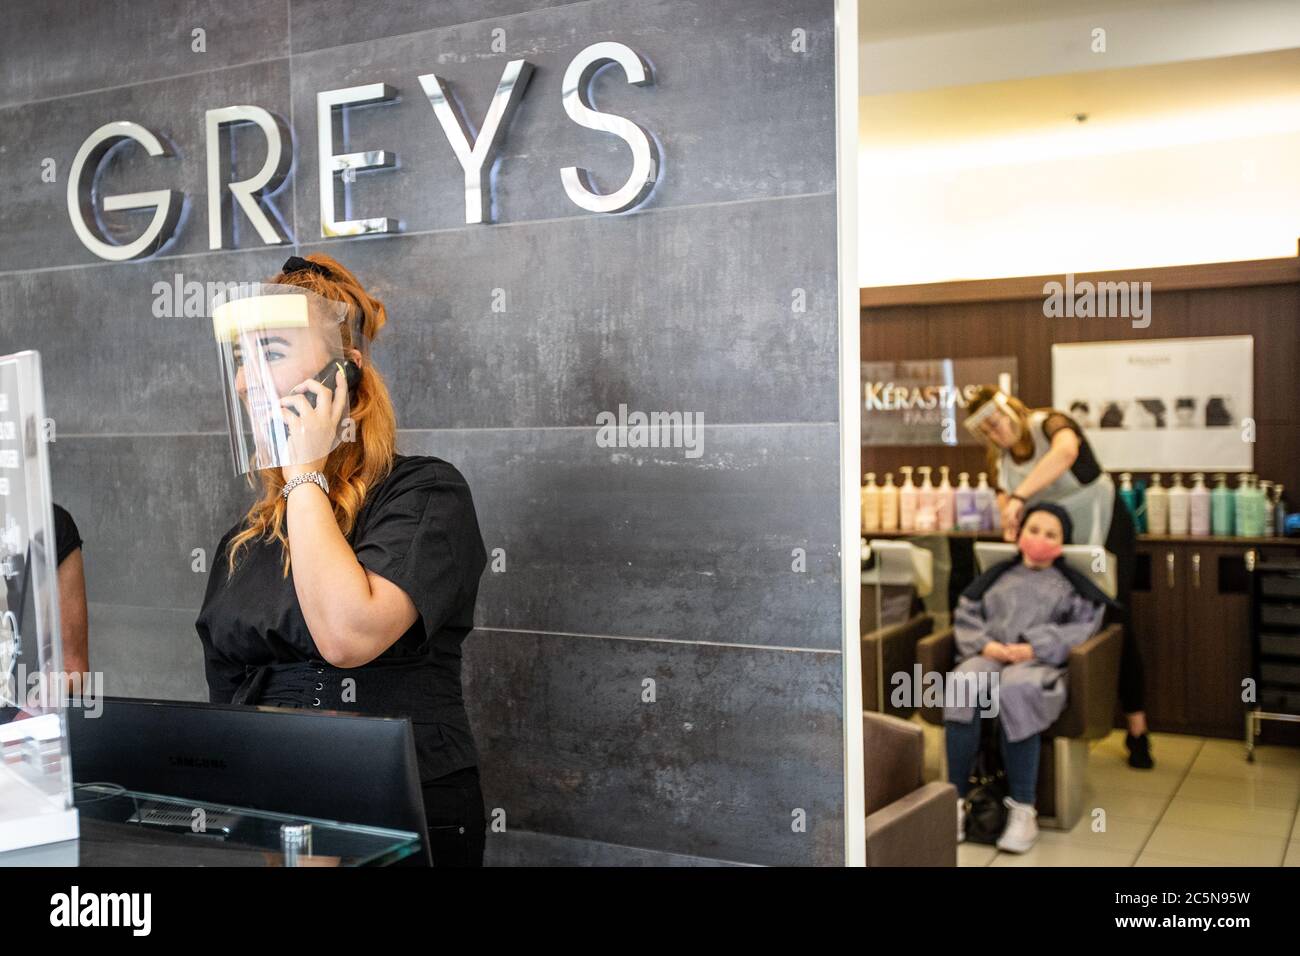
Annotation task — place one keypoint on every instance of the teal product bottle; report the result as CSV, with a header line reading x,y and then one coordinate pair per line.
x,y
1140,522
1242,502
1128,496
1222,510
1279,511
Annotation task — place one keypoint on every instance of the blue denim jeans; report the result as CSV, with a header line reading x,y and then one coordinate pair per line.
x,y
1020,759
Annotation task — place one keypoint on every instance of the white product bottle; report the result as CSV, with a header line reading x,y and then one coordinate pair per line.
x,y
945,501
907,501
870,504
986,502
1157,508
1179,522
968,514
1198,502
889,504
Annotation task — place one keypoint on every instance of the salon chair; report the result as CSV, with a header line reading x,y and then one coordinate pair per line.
x,y
909,822
887,651
1092,674
898,578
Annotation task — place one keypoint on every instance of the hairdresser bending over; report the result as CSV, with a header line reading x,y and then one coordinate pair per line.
x,y
1041,454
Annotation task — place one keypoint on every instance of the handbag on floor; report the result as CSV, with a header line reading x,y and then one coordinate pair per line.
x,y
986,814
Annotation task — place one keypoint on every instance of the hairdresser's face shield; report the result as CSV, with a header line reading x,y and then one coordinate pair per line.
x,y
272,341
994,422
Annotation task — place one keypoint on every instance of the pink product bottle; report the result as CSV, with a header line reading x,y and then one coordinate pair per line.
x,y
1198,500
925,490
945,502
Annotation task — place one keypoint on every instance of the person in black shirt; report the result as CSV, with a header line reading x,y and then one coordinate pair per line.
x,y
72,593
359,597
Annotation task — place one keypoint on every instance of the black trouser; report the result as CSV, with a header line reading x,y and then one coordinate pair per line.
x,y
453,811
1121,541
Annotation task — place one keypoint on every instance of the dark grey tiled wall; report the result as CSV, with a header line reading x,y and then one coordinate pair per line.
x,y
621,564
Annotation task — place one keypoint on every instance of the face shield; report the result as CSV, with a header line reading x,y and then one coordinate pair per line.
x,y
987,414
273,341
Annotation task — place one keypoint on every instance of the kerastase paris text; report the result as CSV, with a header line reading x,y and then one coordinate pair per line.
x,y
476,155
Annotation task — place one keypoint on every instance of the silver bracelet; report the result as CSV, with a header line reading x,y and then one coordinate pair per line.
x,y
314,477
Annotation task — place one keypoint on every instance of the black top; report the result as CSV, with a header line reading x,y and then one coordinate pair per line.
x,y
418,529
66,536
1086,468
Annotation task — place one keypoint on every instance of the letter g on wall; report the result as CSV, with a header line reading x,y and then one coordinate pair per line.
x,y
166,203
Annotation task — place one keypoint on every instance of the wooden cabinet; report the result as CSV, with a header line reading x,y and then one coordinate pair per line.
x,y
1191,615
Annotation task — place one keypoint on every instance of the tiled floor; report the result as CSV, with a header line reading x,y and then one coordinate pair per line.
x,y
1202,805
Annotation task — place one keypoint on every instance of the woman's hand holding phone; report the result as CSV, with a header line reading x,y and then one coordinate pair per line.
x,y
313,426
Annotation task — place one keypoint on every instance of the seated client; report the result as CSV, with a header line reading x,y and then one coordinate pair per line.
x,y
1019,620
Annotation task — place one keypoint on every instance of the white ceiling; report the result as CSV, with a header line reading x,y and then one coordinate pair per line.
x,y
1110,98
879,19
912,45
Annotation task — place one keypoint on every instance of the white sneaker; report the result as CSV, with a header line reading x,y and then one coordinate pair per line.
x,y
1021,832
961,820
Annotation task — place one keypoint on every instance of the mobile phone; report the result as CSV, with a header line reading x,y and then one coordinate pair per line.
x,y
351,375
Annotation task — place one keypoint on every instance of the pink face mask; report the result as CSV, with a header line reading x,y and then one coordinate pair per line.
x,y
1040,550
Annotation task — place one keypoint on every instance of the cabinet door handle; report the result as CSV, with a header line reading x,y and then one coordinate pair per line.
x,y
1169,568
1196,570
1250,560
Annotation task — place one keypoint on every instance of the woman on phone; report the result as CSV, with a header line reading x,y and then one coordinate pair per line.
x,y
350,583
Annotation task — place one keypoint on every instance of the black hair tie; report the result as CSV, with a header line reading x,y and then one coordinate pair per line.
x,y
298,264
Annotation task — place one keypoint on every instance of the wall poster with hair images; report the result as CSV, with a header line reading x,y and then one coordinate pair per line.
x,y
1162,404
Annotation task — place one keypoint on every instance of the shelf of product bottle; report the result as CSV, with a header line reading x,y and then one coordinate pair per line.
x,y
927,507
1253,509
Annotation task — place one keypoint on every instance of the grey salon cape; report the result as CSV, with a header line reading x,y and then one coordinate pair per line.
x,y
1024,605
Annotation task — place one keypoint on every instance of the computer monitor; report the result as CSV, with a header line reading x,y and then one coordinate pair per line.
x,y
345,767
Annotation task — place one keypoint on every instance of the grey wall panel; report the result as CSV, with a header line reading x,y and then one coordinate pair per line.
x,y
724,70
146,652
685,309
114,366
646,542
174,111
56,47
736,741
143,504
327,23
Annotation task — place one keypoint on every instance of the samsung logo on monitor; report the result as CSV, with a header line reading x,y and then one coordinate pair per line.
x,y
197,763
475,152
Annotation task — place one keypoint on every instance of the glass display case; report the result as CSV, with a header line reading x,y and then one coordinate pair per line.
x,y
122,827
36,805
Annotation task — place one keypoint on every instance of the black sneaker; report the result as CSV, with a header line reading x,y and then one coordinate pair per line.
x,y
1139,751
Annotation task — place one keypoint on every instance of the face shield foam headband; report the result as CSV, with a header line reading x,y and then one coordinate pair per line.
x,y
272,338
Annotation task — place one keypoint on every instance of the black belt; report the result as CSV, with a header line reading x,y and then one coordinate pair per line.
x,y
410,689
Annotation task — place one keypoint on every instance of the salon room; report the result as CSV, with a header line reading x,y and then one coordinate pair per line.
x,y
1079,304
